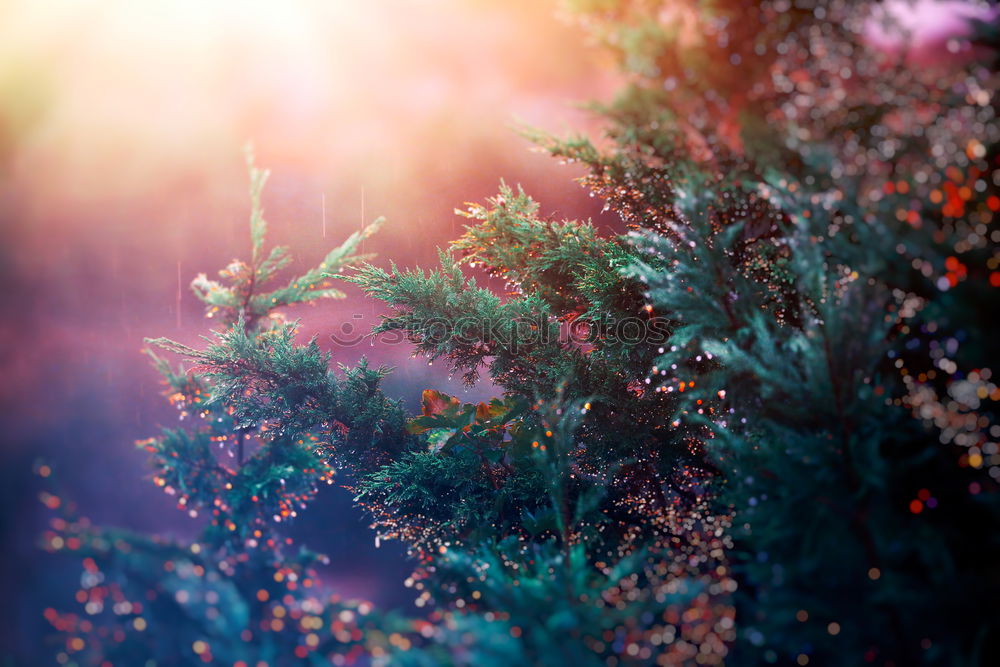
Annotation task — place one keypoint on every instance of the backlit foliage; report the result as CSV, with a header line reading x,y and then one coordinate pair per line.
x,y
758,428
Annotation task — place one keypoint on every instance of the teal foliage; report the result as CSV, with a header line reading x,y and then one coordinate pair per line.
x,y
793,462
812,300
259,447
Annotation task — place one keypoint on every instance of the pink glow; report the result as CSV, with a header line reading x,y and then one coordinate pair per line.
x,y
922,29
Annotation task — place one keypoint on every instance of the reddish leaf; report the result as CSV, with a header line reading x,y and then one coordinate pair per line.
x,y
434,402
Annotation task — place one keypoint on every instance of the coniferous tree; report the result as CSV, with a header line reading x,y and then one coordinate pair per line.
x,y
240,594
757,429
825,212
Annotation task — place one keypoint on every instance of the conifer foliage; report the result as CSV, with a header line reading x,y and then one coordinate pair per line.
x,y
759,428
240,594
